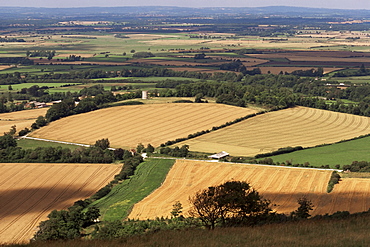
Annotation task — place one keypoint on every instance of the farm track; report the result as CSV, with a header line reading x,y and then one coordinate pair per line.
x,y
281,185
299,126
42,188
130,125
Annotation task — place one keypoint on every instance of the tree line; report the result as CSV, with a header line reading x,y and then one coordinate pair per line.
x,y
11,153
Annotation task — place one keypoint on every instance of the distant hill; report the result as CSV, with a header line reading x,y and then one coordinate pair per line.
x,y
32,12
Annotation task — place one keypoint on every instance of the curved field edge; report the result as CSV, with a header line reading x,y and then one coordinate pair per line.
x,y
283,186
29,192
126,126
298,126
343,153
148,176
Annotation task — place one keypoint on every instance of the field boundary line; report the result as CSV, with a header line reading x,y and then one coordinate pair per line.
x,y
225,162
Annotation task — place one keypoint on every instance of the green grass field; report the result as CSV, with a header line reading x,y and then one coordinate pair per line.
x,y
32,144
341,153
353,79
148,176
17,87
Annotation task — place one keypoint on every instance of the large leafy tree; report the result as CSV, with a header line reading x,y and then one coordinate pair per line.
x,y
233,201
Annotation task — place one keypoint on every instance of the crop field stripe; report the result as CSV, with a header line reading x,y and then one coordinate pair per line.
x,y
10,207
283,186
32,205
161,122
18,225
50,204
307,127
75,193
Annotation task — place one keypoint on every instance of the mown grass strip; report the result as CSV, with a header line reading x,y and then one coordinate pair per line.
x,y
149,175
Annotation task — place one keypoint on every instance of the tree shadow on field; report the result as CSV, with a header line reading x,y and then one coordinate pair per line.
x,y
323,202
14,203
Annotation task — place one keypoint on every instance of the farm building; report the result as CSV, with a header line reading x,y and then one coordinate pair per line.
x,y
219,155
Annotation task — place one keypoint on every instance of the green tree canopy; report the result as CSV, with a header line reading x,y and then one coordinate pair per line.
x,y
233,200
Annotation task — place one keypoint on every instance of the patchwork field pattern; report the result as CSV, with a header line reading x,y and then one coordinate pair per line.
x,y
126,126
283,186
299,126
21,119
29,192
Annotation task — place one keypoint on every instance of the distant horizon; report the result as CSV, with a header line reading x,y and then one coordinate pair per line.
x,y
196,7
328,4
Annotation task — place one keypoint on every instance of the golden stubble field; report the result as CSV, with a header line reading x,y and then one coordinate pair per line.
x,y
126,126
298,126
29,192
21,119
283,186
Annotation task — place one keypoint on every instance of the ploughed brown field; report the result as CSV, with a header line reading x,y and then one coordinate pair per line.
x,y
298,126
21,119
283,186
127,126
29,192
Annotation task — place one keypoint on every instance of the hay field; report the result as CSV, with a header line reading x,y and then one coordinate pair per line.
x,y
299,126
29,192
126,126
280,185
21,119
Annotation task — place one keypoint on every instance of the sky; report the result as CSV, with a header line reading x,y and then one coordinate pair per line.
x,y
334,4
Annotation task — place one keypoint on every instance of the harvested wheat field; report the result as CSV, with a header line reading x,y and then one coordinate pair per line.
x,y
126,126
21,119
283,186
298,126
2,67
29,192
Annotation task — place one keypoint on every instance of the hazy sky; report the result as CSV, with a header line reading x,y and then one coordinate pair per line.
x,y
339,4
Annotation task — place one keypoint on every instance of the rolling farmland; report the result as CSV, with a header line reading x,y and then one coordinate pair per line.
x,y
29,192
126,126
21,119
280,185
299,126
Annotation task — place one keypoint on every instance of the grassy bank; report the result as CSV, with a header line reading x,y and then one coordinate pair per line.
x,y
352,231
148,176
